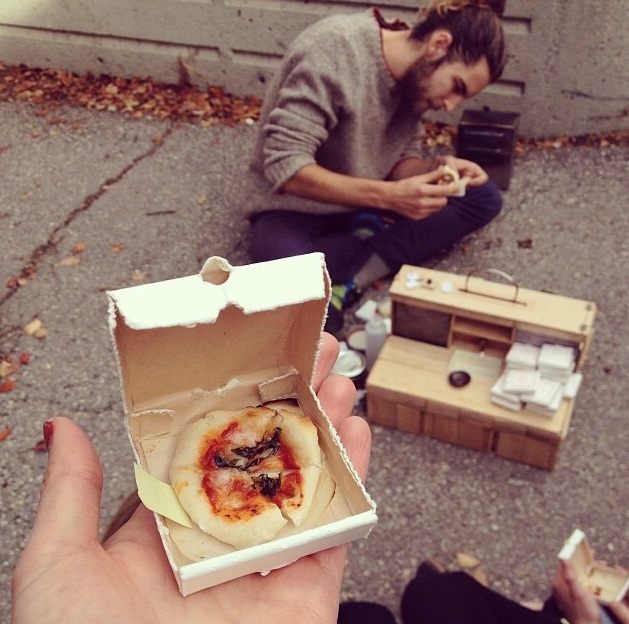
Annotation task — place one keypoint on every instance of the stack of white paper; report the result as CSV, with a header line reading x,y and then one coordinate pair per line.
x,y
556,361
522,355
537,378
521,381
572,385
546,398
505,399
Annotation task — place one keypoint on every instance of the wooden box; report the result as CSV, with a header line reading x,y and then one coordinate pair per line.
x,y
606,583
443,322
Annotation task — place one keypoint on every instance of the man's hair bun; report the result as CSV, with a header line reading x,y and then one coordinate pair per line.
x,y
443,6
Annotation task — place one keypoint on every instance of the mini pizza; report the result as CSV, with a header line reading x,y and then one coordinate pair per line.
x,y
448,175
243,475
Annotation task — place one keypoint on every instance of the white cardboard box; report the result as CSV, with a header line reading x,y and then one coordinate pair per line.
x,y
228,338
606,583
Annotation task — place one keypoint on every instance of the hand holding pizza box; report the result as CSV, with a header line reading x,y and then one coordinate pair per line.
x,y
236,457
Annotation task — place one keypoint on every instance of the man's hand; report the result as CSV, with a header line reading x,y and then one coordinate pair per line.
x,y
577,602
66,575
419,196
475,174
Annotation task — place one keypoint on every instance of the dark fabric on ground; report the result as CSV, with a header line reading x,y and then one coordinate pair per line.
x,y
457,598
364,613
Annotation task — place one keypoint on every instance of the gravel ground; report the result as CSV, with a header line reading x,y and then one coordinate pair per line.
x,y
152,201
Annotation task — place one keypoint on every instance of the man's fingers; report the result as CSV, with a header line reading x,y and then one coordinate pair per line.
x,y
328,353
69,506
621,611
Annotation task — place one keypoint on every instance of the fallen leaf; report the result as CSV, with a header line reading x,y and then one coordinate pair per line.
x,y
41,333
138,276
79,248
8,385
25,358
7,368
4,148
70,261
202,199
33,327
466,560
527,243
480,575
40,447
5,433
117,247
22,281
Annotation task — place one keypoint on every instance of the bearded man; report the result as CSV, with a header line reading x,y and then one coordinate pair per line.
x,y
338,167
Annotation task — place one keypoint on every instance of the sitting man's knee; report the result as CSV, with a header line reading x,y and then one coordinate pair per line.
x,y
487,200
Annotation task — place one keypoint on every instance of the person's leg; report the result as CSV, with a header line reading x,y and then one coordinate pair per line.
x,y
457,598
282,234
412,242
364,613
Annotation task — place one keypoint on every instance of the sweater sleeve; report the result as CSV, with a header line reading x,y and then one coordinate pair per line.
x,y
304,112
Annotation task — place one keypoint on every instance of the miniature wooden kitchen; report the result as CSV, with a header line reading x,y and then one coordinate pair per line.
x,y
481,363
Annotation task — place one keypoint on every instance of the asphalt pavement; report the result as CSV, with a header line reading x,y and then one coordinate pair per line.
x,y
98,201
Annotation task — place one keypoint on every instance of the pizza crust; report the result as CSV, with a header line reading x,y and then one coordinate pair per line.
x,y
196,545
243,475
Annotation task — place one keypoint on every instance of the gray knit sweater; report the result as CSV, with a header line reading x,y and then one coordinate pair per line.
x,y
333,102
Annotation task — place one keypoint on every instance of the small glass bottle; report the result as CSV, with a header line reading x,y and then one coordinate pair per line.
x,y
375,335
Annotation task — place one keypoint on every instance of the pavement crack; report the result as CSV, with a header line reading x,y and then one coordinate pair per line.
x,y
29,268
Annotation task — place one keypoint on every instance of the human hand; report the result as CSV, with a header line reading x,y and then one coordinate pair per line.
x,y
419,196
473,173
66,575
575,600
621,611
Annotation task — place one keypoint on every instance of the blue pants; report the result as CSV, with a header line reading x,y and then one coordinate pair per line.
x,y
281,234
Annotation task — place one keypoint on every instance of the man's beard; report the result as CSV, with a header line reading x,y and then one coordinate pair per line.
x,y
413,86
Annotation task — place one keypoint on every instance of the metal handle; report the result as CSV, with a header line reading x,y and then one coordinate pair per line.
x,y
499,273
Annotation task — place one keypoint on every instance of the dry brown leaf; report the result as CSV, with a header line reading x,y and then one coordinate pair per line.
x,y
117,247
5,433
479,574
41,333
33,327
8,385
70,261
79,248
465,560
138,276
202,199
7,368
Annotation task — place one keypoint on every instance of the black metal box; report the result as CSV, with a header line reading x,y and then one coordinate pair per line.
x,y
488,138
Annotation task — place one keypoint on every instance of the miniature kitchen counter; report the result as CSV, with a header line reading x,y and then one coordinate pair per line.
x,y
444,322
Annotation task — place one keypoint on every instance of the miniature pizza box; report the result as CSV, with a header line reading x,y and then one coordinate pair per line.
x,y
606,583
447,323
228,338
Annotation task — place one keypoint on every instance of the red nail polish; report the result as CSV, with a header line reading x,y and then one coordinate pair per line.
x,y
47,430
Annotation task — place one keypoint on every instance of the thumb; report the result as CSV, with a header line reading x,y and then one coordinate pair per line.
x,y
69,506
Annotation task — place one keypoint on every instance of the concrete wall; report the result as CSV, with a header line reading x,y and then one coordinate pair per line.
x,y
567,70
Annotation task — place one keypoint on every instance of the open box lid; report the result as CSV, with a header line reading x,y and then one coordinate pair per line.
x,y
607,583
173,335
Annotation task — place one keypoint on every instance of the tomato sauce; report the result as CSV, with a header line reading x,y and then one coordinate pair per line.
x,y
240,488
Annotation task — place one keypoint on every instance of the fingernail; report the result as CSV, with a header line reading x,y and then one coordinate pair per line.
x,y
47,430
